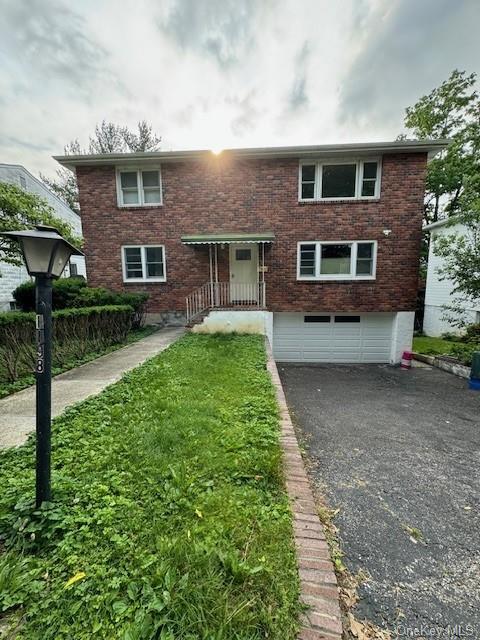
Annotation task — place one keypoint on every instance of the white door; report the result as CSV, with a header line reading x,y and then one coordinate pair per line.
x,y
327,337
244,272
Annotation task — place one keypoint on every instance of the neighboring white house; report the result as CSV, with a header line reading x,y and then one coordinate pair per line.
x,y
439,292
11,276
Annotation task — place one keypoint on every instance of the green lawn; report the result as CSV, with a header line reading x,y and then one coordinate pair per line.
x,y
170,518
433,346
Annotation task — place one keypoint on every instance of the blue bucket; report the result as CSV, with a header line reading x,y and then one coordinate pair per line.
x,y
474,383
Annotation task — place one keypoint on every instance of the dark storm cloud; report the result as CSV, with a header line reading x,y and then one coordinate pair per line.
x,y
406,52
222,29
50,41
298,93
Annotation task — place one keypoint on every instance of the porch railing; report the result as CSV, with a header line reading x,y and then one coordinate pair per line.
x,y
225,295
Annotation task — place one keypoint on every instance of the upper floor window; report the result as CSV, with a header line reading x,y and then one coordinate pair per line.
x,y
336,260
339,180
139,187
143,263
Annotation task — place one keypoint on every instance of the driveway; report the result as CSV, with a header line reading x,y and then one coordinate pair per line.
x,y
398,453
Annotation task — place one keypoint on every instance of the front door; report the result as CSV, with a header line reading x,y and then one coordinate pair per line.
x,y
244,273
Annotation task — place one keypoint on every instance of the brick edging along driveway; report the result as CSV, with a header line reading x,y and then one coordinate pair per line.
x,y
318,584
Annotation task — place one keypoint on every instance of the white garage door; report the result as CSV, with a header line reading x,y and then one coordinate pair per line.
x,y
323,337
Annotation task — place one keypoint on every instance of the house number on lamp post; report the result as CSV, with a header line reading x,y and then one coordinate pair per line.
x,y
40,364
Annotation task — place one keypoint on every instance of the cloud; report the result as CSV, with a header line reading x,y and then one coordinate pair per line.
x,y
406,48
248,115
221,29
298,93
50,41
31,146
221,73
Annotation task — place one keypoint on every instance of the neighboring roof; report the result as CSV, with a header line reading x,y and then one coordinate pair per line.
x,y
440,223
432,147
228,238
39,182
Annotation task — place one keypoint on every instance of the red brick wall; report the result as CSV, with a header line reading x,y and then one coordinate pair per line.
x,y
222,195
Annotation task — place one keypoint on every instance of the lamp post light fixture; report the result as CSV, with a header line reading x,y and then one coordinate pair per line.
x,y
46,254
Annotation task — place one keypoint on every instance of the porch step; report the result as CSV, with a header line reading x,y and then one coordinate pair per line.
x,y
198,319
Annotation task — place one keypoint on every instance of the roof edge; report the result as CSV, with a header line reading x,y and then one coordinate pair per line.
x,y
440,223
432,147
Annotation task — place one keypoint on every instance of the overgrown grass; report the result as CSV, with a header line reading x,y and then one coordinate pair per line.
x,y
169,518
433,346
7,388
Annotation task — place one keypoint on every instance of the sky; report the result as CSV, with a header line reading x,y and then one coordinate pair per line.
x,y
215,74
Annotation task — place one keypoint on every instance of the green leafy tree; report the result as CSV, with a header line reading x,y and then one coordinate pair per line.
x,y
22,210
461,253
451,111
108,137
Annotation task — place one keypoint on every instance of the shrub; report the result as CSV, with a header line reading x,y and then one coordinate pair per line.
x,y
64,292
76,332
449,337
472,333
99,296
464,352
73,292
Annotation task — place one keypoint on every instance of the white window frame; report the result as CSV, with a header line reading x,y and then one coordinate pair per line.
x,y
359,162
143,255
338,276
141,194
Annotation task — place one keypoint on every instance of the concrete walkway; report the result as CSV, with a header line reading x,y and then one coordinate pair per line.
x,y
17,412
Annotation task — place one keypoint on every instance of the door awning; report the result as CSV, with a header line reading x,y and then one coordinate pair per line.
x,y
229,238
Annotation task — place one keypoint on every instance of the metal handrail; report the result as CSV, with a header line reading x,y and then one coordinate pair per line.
x,y
225,295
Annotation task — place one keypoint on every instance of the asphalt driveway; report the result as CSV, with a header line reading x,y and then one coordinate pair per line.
x,y
398,453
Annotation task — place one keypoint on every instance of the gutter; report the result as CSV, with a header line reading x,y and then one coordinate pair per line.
x,y
431,147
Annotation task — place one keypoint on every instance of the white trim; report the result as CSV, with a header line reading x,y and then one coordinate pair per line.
x,y
358,162
443,221
142,248
432,147
141,191
318,277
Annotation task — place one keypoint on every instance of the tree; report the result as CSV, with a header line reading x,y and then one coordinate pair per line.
x,y
108,138
461,253
452,111
22,210
65,187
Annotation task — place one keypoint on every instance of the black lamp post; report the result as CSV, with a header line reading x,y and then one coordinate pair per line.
x,y
46,254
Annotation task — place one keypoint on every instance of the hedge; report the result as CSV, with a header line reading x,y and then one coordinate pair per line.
x,y
73,292
76,332
64,292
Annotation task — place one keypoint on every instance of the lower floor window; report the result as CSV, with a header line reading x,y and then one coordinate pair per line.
x,y
143,263
336,260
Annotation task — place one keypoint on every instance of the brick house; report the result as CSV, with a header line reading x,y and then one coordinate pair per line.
x,y
316,246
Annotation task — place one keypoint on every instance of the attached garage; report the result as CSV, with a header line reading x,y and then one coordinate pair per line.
x,y
339,337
